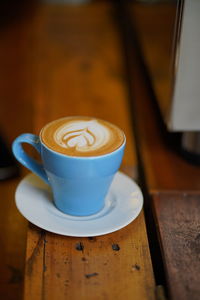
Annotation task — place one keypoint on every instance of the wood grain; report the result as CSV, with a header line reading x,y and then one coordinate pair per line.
x,y
177,215
35,266
78,70
111,266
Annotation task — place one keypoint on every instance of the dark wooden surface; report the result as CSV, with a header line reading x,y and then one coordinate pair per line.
x,y
172,182
178,218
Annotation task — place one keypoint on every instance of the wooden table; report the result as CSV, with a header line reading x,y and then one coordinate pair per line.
x,y
67,61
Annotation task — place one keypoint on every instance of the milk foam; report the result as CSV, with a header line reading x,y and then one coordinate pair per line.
x,y
82,135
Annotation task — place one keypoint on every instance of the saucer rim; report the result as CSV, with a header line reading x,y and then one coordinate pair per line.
x,y
115,228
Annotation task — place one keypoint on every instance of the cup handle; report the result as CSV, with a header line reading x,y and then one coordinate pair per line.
x,y
24,158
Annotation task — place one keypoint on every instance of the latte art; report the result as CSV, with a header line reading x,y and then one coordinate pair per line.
x,y
83,136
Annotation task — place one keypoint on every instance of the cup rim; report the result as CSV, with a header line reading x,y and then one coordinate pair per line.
x,y
82,157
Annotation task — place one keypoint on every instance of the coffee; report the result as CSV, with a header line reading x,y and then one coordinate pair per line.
x,y
82,136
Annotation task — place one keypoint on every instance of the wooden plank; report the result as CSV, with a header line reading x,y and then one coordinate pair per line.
x,y
177,215
108,267
78,69
35,266
88,268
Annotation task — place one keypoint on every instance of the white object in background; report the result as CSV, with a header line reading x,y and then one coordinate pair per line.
x,y
185,108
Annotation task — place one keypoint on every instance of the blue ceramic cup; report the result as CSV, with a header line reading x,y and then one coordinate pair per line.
x,y
79,184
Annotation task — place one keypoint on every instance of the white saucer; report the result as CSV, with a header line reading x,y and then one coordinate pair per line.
x,y
123,204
